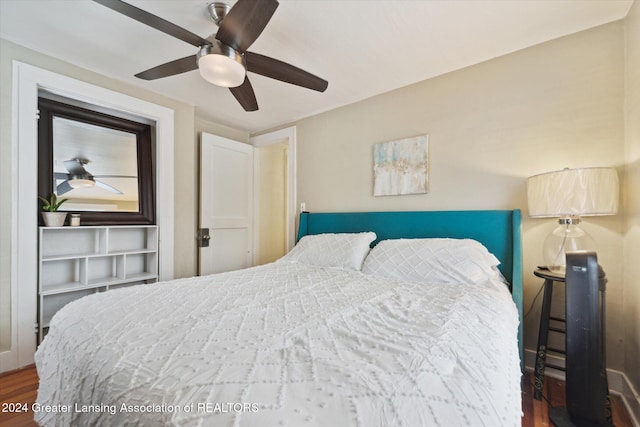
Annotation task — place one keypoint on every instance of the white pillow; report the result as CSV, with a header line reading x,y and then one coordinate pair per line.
x,y
432,260
340,250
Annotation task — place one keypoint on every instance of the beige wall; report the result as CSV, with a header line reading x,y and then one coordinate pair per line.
x,y
631,204
185,163
490,126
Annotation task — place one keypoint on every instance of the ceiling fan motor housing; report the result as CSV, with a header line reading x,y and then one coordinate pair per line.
x,y
218,11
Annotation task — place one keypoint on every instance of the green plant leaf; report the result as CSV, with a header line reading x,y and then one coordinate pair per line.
x,y
51,205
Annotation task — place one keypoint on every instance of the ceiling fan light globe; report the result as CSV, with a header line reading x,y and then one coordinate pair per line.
x,y
81,183
221,65
221,70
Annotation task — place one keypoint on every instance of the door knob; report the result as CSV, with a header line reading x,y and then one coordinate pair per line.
x,y
203,237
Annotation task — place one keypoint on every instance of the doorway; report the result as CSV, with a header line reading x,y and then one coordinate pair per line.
x,y
275,201
266,232
271,202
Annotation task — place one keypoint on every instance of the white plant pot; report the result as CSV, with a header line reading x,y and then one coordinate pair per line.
x,y
54,219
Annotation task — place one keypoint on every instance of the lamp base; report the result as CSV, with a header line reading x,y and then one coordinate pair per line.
x,y
566,237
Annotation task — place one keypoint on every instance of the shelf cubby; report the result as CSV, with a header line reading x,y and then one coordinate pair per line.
x,y
123,239
71,241
53,303
60,272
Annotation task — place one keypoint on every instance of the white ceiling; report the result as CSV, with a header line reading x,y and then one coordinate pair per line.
x,y
362,47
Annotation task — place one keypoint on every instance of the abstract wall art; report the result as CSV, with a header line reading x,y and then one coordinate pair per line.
x,y
401,166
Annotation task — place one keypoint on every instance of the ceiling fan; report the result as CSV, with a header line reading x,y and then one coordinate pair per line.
x,y
223,58
79,177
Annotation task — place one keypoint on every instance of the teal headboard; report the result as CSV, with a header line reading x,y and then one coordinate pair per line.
x,y
498,230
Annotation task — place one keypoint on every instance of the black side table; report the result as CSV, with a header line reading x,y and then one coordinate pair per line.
x,y
543,332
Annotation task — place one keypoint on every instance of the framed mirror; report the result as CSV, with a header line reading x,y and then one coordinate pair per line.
x,y
102,163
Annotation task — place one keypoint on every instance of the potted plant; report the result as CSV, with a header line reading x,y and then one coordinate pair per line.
x,y
51,216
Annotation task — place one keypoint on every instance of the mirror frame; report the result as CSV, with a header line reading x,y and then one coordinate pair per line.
x,y
48,109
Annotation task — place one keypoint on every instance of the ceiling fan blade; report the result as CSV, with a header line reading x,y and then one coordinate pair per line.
x,y
63,188
61,175
114,176
178,66
245,22
276,69
107,187
75,167
245,95
154,21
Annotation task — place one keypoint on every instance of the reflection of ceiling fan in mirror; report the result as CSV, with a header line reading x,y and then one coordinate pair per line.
x,y
223,58
79,177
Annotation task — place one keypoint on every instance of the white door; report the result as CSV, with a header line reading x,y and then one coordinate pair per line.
x,y
226,204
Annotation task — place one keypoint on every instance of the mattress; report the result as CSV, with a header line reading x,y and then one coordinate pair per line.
x,y
284,345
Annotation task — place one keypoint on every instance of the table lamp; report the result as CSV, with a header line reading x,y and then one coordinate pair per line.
x,y
570,194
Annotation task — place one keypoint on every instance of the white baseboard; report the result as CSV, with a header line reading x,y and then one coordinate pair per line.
x,y
618,383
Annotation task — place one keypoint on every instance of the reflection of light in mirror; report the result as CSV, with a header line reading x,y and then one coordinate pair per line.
x,y
80,183
109,155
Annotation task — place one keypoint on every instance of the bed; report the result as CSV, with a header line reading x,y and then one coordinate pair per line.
x,y
330,335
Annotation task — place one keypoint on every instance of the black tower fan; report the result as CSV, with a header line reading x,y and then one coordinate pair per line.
x,y
586,376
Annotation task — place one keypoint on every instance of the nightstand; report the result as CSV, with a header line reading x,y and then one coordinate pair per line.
x,y
543,333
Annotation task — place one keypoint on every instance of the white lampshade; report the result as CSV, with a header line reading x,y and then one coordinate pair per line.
x,y
570,194
221,65
573,192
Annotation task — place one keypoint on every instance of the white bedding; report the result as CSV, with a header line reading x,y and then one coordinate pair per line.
x,y
284,345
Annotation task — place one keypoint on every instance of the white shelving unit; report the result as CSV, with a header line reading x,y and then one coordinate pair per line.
x,y
78,261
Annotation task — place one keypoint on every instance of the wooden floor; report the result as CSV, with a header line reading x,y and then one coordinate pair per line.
x,y
536,412
21,387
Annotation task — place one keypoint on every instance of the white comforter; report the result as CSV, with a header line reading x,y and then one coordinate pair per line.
x,y
283,345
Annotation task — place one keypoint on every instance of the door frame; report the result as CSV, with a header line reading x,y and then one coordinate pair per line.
x,y
287,135
27,81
